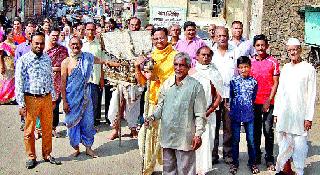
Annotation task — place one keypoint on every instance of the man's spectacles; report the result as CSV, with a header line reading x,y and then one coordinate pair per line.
x,y
161,39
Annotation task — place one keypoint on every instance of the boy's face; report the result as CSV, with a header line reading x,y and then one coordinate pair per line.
x,y
261,47
244,70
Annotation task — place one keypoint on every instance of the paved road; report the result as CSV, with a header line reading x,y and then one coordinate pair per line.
x,y
114,160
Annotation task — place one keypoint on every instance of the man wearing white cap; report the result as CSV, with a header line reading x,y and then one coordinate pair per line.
x,y
294,108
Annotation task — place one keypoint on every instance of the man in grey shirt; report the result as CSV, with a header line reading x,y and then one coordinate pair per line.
x,y
182,108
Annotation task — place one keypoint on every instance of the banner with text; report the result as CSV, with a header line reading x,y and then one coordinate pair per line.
x,y
166,16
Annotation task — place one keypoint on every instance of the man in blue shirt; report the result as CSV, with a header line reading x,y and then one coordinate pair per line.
x,y
35,93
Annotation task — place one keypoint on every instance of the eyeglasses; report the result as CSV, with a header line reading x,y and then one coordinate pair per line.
x,y
161,39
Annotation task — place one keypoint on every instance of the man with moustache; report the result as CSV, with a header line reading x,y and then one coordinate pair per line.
x,y
174,31
211,42
75,90
225,59
57,53
190,43
244,46
133,107
21,50
96,82
35,95
294,109
182,118
209,77
134,24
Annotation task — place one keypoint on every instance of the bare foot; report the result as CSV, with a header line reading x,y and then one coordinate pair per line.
x,y
76,153
91,153
113,135
134,133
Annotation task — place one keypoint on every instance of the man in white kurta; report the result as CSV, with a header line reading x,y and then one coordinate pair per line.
x,y
294,108
210,78
225,59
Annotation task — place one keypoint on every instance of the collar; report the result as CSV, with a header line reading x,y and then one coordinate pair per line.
x,y
172,81
34,56
193,39
242,39
85,40
204,67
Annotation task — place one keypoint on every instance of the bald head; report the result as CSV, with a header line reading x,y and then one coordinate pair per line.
x,y
75,44
222,36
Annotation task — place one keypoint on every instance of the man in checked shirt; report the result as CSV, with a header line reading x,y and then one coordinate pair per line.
x,y
35,94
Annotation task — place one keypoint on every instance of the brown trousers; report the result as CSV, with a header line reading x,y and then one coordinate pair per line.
x,y
42,107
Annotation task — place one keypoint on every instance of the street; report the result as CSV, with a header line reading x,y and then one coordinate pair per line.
x,y
114,160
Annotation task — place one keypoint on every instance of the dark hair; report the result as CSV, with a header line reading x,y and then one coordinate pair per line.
x,y
243,60
237,22
259,37
202,47
38,33
165,30
88,23
113,22
32,22
139,21
17,18
6,32
148,25
189,23
55,28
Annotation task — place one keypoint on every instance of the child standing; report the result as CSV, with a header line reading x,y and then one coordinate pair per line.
x,y
243,90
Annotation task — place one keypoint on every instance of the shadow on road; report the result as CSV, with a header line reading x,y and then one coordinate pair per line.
x,y
107,149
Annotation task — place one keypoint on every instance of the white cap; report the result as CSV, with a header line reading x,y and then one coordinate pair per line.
x,y
293,42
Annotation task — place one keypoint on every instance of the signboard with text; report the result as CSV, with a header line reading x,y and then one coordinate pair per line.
x,y
166,16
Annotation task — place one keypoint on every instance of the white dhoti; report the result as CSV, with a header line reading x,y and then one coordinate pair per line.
x,y
132,97
204,153
291,145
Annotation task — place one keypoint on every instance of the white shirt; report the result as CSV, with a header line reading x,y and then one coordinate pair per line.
x,y
245,47
295,98
226,65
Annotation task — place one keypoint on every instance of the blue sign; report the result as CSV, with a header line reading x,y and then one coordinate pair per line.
x,y
312,27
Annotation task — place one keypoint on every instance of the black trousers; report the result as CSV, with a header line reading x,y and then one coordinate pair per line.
x,y
55,121
264,121
107,98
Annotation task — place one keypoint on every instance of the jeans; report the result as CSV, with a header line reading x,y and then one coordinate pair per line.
x,y
96,95
249,127
264,120
222,114
55,122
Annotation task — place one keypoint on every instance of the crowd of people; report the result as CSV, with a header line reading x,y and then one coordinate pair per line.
x,y
195,85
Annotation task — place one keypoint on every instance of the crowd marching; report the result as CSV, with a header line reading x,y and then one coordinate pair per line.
x,y
194,86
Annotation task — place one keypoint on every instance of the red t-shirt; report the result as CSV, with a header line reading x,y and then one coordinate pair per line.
x,y
19,38
263,71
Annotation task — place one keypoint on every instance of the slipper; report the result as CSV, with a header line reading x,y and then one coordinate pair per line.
x,y
254,169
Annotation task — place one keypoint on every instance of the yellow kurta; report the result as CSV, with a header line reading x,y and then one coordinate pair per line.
x,y
163,69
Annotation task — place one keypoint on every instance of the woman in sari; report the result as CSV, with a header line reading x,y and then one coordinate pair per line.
x,y
163,56
7,49
18,34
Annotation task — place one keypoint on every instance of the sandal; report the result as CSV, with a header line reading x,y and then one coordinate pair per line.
x,y
254,169
271,167
233,169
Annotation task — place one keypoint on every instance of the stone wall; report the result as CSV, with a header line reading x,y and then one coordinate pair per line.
x,y
281,19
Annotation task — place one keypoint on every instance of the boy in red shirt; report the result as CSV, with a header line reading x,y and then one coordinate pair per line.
x,y
265,69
